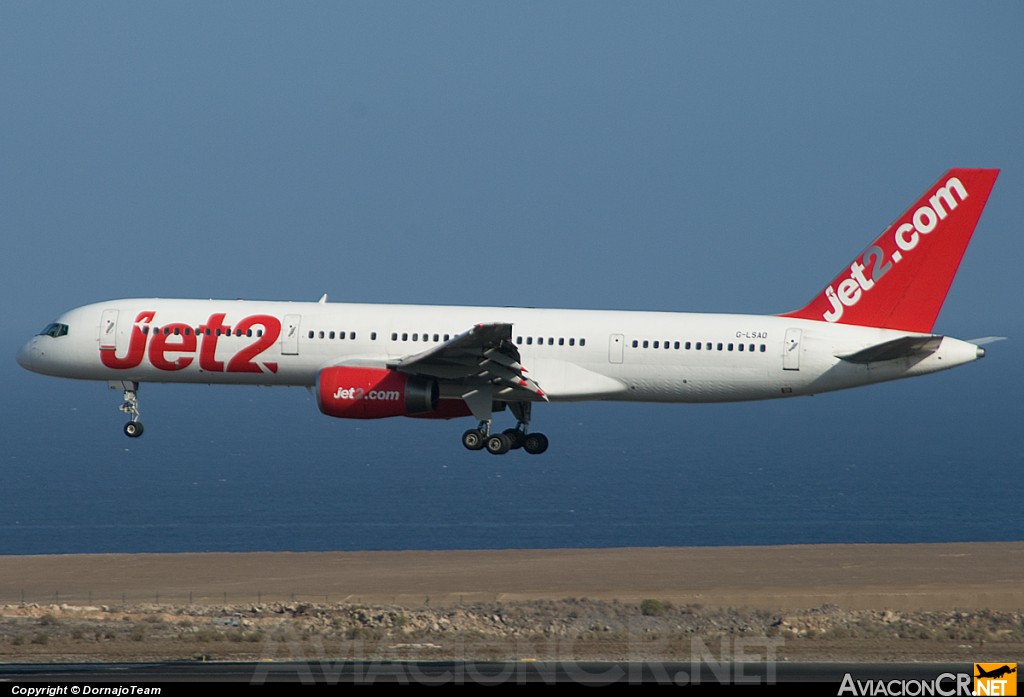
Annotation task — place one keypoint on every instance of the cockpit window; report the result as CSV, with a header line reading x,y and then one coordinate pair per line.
x,y
54,329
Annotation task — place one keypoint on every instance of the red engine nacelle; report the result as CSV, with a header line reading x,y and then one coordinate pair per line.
x,y
374,393
446,409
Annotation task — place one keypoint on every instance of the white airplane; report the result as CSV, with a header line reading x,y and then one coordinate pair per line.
x,y
871,324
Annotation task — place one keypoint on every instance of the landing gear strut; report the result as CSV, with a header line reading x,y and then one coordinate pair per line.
x,y
481,437
132,429
533,443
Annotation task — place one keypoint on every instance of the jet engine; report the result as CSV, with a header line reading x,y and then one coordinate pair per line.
x,y
374,393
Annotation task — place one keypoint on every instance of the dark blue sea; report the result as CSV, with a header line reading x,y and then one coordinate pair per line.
x,y
246,469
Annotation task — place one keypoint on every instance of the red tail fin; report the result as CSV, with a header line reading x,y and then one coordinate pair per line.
x,y
901,280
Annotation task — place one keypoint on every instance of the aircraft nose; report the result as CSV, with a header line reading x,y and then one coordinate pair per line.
x,y
25,355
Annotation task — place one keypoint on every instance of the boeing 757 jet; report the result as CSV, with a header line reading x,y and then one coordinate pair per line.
x,y
873,322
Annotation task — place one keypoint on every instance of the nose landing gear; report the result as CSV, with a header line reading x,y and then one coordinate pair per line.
x,y
132,429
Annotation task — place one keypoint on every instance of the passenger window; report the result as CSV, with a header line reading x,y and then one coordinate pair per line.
x,y
572,342
583,342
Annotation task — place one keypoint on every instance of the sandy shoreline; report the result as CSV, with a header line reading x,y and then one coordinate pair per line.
x,y
904,577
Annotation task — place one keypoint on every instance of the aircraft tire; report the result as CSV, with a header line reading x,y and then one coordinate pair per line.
x,y
133,429
499,445
535,443
516,436
473,439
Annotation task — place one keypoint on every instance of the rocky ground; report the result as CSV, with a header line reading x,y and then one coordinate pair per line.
x,y
570,629
939,602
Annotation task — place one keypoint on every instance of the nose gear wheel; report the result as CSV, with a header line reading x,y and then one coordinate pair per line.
x,y
132,429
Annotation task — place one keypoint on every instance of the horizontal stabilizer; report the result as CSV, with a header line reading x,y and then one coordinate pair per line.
x,y
904,347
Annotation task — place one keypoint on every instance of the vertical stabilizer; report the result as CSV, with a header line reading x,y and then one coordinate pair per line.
x,y
901,280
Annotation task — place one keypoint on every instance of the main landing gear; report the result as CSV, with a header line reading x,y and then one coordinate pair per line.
x,y
132,429
481,438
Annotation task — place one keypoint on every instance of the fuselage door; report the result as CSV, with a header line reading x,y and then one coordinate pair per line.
x,y
290,335
108,330
791,350
615,344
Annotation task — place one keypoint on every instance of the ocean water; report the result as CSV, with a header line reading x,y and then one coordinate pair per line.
x,y
247,469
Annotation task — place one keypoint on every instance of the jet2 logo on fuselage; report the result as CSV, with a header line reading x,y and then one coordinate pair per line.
x,y
175,346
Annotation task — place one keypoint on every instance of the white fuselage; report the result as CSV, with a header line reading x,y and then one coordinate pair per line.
x,y
573,355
